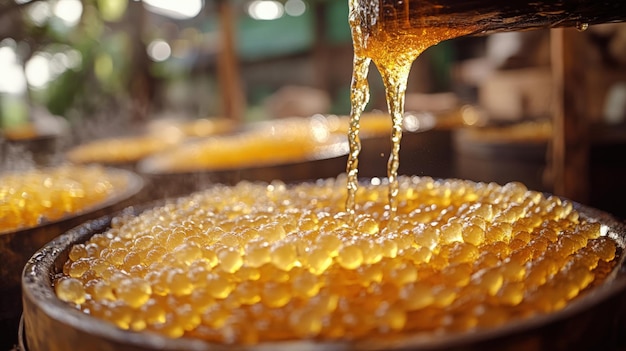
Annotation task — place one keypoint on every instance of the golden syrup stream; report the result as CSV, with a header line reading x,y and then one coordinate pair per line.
x,y
393,46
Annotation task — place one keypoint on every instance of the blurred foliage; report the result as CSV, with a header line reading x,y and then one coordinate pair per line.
x,y
104,51
113,70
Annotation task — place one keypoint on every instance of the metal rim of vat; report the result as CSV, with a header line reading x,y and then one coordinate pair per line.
x,y
40,297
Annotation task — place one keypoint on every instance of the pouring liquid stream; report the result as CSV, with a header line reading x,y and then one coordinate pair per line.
x,y
393,47
393,33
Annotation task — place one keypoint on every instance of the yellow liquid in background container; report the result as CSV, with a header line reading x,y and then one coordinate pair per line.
x,y
38,196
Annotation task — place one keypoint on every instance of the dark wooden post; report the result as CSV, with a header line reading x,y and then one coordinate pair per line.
x,y
141,85
228,65
321,57
570,142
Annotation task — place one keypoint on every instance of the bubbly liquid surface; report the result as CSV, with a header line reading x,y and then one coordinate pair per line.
x,y
268,262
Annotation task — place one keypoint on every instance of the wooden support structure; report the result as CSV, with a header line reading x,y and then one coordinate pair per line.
x,y
570,142
233,101
321,53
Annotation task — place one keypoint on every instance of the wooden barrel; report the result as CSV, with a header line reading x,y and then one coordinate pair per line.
x,y
427,152
16,247
327,163
503,154
592,321
42,150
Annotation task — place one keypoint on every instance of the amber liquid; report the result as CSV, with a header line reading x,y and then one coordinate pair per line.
x,y
393,33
